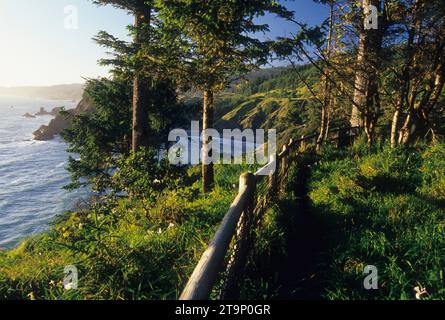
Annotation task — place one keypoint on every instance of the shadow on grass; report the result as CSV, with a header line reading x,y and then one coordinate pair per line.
x,y
298,275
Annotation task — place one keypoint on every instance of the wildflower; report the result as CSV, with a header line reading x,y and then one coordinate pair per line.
x,y
159,231
171,225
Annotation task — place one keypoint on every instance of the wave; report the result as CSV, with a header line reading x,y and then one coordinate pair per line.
x,y
21,143
61,164
32,176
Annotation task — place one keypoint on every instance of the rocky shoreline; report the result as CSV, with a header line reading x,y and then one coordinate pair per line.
x,y
62,121
43,112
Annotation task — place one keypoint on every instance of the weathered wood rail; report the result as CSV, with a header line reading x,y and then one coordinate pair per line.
x,y
245,212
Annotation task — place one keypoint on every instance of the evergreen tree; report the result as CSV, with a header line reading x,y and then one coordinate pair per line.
x,y
142,11
220,44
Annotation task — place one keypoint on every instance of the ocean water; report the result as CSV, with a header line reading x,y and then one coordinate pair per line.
x,y
32,173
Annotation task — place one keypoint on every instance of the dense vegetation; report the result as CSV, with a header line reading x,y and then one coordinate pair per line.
x,y
123,248
378,202
384,208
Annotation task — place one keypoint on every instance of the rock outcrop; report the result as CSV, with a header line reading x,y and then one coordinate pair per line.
x,y
28,115
42,112
61,121
53,112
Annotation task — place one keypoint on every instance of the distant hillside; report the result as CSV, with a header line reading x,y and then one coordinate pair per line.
x,y
273,98
58,92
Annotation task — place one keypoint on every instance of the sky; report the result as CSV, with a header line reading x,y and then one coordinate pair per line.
x,y
41,44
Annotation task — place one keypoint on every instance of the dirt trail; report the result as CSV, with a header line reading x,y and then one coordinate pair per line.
x,y
298,276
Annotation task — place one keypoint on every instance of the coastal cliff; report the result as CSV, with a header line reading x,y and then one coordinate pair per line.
x,y
62,121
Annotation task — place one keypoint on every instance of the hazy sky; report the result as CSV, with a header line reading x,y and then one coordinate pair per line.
x,y
37,49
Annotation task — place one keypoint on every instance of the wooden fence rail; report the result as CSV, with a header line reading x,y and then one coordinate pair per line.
x,y
237,224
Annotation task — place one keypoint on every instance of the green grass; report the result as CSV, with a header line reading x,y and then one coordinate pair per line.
x,y
123,248
385,208
280,109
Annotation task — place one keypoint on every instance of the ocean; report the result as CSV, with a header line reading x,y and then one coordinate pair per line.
x,y
32,173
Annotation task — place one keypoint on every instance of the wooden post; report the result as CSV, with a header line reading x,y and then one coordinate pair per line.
x,y
238,258
201,281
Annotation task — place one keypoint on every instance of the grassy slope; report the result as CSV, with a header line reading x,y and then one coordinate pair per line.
x,y
125,249
271,110
277,100
385,209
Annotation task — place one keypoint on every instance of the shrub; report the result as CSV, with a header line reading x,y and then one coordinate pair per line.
x,y
143,247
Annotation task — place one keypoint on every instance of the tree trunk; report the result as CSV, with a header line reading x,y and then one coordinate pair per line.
x,y
395,127
324,125
404,130
409,126
366,106
410,131
140,113
359,84
141,88
372,109
416,122
207,169
405,80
